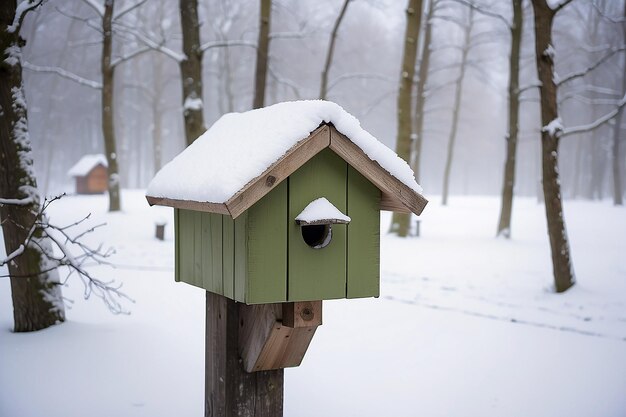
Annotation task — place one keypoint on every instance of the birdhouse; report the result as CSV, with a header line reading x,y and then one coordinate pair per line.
x,y
282,204
90,174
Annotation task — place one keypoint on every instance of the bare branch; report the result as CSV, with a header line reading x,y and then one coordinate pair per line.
x,y
583,72
561,5
358,75
63,73
483,11
227,43
88,21
151,43
611,19
127,9
130,55
95,6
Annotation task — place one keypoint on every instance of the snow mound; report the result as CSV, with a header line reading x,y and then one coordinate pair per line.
x,y
86,164
241,146
320,210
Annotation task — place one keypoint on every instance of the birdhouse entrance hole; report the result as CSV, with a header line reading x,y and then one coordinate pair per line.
x,y
317,236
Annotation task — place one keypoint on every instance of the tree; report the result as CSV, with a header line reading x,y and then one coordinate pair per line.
x,y
422,79
262,53
508,182
456,109
616,160
551,132
191,71
400,222
35,290
331,50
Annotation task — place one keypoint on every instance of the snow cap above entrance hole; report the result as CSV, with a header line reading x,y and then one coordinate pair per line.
x,y
321,211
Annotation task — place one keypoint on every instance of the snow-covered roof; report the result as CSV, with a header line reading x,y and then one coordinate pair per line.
x,y
241,146
321,211
86,164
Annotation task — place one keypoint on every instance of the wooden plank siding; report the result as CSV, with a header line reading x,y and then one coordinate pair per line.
x,y
261,257
317,274
363,237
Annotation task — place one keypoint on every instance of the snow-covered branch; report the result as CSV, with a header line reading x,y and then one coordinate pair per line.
x,y
63,73
74,254
150,43
20,13
17,201
226,43
585,71
597,123
130,55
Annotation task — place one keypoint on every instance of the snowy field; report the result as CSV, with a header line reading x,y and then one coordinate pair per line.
x,y
466,326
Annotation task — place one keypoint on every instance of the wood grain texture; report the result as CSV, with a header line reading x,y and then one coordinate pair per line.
x,y
267,248
241,256
265,343
293,159
363,272
177,237
317,274
302,314
215,255
219,208
228,256
229,389
377,175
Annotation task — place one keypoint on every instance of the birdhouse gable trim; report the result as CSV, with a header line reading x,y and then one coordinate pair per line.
x,y
86,164
396,196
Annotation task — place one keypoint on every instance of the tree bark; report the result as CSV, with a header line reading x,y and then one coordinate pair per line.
x,y
36,292
616,160
331,50
262,53
400,222
456,109
108,126
559,244
508,183
191,71
230,390
421,90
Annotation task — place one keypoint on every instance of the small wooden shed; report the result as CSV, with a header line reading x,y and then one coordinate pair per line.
x,y
90,174
282,204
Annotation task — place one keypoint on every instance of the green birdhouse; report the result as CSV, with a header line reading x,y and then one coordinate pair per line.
x,y
282,204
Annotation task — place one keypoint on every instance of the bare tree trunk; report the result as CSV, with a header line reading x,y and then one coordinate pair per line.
x,y
108,127
35,291
559,244
262,52
157,114
191,71
457,108
331,50
616,161
400,222
421,90
508,183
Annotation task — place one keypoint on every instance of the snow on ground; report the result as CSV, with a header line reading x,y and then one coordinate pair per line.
x,y
466,325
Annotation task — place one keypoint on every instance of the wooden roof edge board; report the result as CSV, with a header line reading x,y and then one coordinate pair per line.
x,y
389,203
293,159
188,205
376,174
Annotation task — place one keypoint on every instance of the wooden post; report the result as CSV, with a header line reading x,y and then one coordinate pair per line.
x,y
229,390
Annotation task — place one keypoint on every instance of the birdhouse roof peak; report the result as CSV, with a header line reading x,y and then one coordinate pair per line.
x,y
86,164
240,149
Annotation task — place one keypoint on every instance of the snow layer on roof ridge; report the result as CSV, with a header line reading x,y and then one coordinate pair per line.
x,y
241,146
86,164
321,209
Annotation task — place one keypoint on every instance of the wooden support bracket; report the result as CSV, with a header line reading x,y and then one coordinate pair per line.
x,y
276,336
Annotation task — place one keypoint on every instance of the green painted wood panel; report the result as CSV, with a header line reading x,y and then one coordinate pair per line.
x,y
197,249
241,256
186,246
176,247
215,255
206,247
316,274
267,248
363,237
228,256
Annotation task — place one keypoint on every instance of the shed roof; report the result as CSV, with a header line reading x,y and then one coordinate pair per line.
x,y
243,155
86,164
